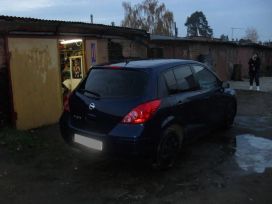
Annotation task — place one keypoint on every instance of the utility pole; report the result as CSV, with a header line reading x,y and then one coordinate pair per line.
x,y
232,30
91,16
176,30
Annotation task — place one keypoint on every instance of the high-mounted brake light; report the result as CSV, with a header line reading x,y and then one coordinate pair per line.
x,y
66,106
142,113
114,67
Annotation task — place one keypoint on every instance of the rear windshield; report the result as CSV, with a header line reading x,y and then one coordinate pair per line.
x,y
115,83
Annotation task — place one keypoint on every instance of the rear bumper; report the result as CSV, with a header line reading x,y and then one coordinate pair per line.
x,y
119,141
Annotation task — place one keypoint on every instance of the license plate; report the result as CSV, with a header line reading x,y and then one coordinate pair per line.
x,y
88,142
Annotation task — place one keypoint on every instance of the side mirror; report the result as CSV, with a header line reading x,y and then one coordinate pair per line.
x,y
225,85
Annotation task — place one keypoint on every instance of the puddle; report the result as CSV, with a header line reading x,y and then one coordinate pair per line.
x,y
253,154
256,123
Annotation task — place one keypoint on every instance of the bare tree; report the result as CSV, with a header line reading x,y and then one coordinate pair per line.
x,y
252,34
149,15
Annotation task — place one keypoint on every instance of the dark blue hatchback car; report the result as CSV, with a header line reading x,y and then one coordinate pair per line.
x,y
146,107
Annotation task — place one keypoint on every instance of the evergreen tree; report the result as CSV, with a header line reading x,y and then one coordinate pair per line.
x,y
197,25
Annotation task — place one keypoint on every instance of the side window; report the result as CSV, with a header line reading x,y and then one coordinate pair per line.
x,y
162,87
205,78
170,81
185,78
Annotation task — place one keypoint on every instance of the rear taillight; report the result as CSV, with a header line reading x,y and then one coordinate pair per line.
x,y
66,106
142,113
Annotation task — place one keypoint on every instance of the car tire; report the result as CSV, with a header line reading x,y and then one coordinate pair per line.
x,y
168,147
230,114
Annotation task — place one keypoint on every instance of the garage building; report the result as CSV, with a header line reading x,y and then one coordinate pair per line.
x,y
42,60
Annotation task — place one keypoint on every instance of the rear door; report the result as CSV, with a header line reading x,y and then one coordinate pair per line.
x,y
209,85
190,102
105,97
184,98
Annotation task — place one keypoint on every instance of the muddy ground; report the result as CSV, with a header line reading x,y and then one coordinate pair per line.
x,y
233,166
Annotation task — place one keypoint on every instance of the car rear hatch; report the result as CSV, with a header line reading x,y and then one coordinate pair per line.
x,y
105,96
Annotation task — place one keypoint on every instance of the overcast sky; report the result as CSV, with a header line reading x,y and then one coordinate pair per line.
x,y
222,15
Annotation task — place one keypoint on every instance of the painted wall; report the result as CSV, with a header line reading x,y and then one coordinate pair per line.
x,y
223,56
129,50
220,58
96,52
35,77
102,51
132,49
244,53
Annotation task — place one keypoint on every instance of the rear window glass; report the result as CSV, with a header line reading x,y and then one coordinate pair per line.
x,y
115,83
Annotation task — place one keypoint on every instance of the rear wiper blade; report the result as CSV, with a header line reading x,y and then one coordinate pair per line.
x,y
90,92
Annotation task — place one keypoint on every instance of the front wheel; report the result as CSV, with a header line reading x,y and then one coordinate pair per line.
x,y
168,147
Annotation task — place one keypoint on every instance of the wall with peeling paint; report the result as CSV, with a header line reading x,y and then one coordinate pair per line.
x,y
101,52
221,57
224,56
35,77
244,53
132,49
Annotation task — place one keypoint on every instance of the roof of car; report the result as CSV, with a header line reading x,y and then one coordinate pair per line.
x,y
152,63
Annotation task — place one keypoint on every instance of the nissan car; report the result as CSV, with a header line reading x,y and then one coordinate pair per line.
x,y
146,107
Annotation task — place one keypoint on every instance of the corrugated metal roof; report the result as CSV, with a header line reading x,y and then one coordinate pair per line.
x,y
13,20
171,39
164,37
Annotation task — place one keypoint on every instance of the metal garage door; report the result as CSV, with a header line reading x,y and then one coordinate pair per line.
x,y
35,77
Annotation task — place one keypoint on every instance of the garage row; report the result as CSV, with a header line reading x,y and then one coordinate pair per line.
x,y
41,61
44,70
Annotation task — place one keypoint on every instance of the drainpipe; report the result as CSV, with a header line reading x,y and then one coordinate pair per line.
x,y
13,114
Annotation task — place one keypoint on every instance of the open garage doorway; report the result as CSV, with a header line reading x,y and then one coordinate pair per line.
x,y
5,102
72,63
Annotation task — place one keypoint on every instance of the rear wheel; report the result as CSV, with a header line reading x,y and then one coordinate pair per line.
x,y
169,146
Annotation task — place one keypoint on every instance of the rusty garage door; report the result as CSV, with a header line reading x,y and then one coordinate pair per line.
x,y
35,78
